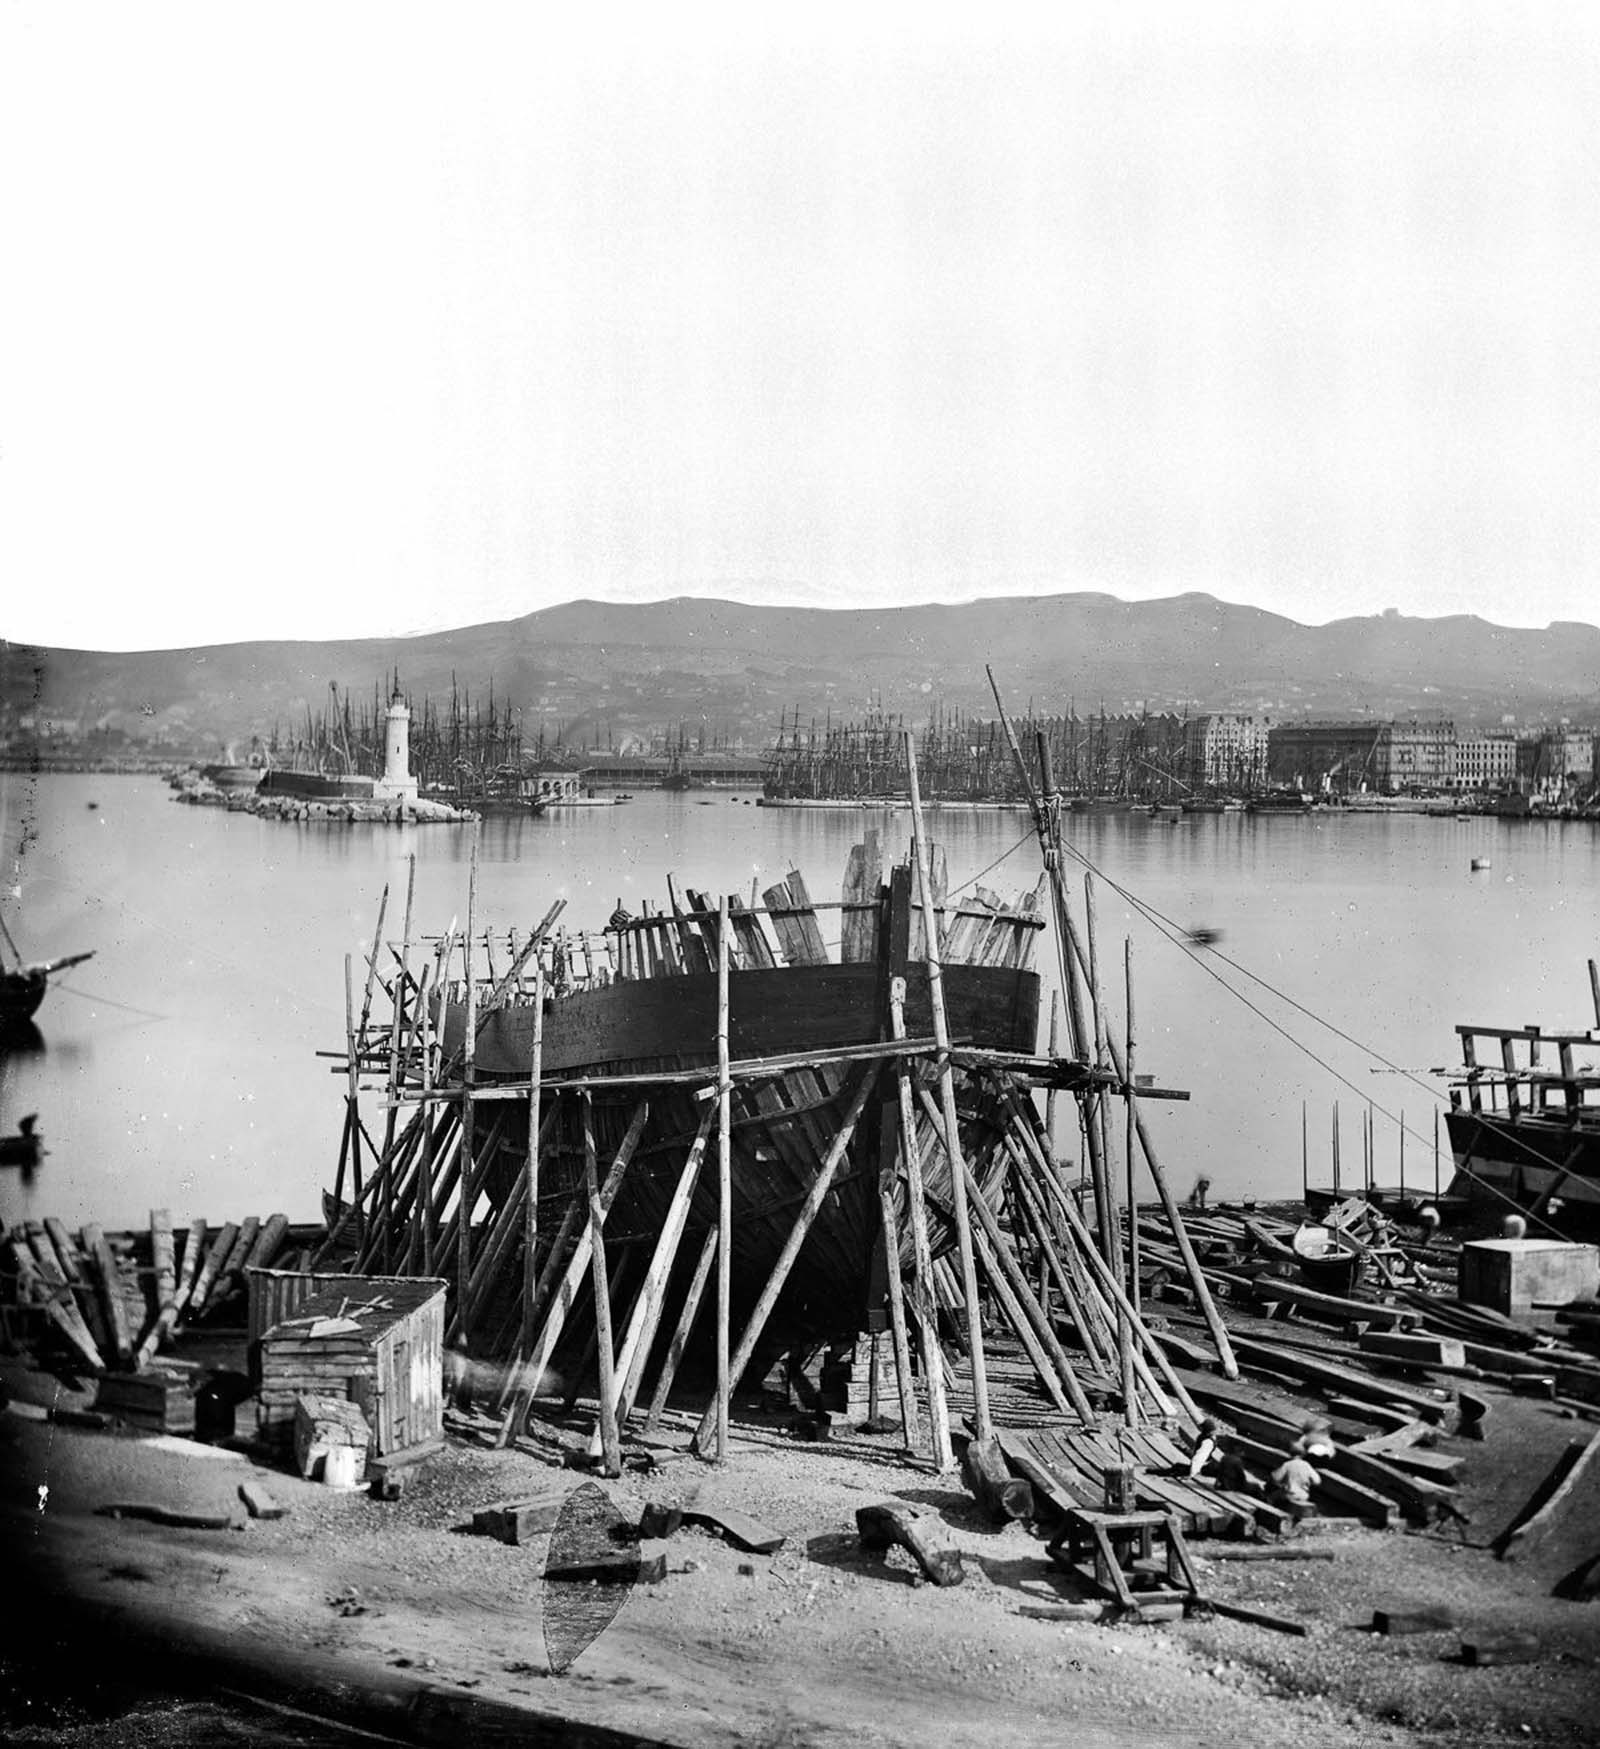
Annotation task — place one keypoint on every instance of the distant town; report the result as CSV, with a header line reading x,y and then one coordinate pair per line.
x,y
460,750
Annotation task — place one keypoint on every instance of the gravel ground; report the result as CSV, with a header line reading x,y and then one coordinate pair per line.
x,y
817,1644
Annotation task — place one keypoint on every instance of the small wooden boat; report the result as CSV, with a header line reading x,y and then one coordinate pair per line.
x,y
22,987
25,1148
1330,1260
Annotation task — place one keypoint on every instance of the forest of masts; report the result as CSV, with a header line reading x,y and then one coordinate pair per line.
x,y
466,746
966,758
473,1215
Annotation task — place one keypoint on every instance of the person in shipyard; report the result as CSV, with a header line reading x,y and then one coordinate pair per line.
x,y
1205,1451
1292,1483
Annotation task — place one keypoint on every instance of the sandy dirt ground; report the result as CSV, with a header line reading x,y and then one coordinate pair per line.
x,y
819,1643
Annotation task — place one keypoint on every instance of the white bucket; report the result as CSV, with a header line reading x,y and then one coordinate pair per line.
x,y
342,1467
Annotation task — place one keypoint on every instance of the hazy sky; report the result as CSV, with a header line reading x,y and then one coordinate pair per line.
x,y
335,319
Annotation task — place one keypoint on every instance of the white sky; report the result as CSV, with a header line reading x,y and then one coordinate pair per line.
x,y
327,320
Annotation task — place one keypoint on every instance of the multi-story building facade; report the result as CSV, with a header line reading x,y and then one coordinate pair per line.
x,y
1227,750
1485,763
1337,757
1414,756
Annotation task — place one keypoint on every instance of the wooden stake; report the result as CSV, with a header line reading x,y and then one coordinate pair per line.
x,y
523,1383
530,1238
1105,1188
680,1336
466,1196
724,1189
921,1252
1129,1400
982,1423
611,1449
791,1250
352,1107
890,1225
652,1294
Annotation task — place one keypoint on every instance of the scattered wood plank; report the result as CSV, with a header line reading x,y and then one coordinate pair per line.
x,y
1412,1621
112,1299
180,1518
1489,1647
1550,1501
1419,1351
1260,1618
220,1247
259,1503
523,1520
888,1524
63,1317
738,1528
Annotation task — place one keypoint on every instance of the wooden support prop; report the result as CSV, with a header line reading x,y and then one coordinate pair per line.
x,y
1261,1618
647,1312
467,1194
791,1250
947,1094
680,1336
890,1229
1096,1264
1097,1116
166,1286
530,1241
724,1191
921,1251
189,1266
38,1269
352,1108
1126,1352
610,1446
532,1369
879,1527
112,1302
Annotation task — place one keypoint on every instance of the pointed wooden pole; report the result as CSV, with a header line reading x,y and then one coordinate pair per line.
x,y
815,1197
530,1214
610,1447
921,1252
352,1104
467,1194
652,1294
680,1335
983,1426
724,1188
1125,1346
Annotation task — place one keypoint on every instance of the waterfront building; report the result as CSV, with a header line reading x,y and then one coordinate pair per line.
x,y
1485,763
1340,757
1416,756
1227,750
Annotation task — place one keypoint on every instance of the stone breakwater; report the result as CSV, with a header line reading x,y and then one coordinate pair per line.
x,y
200,792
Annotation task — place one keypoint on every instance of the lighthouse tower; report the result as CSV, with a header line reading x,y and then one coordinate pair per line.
x,y
397,784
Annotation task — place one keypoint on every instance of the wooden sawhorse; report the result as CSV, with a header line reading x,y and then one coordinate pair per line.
x,y
1111,1539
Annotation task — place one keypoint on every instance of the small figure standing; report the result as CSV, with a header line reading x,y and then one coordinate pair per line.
x,y
1292,1483
1202,1189
1230,1473
1205,1451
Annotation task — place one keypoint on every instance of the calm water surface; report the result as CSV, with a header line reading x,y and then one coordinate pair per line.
x,y
178,1068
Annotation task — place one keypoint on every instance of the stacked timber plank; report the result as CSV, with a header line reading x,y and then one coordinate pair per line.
x,y
110,1301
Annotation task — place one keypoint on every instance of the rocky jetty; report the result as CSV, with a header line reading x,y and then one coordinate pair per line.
x,y
190,786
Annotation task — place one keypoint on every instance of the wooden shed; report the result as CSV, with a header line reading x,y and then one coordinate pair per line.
x,y
378,1340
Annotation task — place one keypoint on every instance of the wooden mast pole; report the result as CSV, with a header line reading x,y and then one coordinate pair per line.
x,y
724,1187
465,1194
982,1424
922,1254
610,1446
1133,1198
530,1233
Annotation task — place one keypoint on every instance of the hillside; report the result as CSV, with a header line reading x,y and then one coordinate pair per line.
x,y
599,668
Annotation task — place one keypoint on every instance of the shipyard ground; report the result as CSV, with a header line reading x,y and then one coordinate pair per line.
x,y
132,1633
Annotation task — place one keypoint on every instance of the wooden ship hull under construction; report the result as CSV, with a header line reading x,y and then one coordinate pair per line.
x,y
657,1017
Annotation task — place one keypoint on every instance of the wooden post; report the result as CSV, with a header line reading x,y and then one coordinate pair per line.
x,y
426,1233
467,1193
1436,1148
680,1335
1594,989
982,1424
524,1384
652,1293
1105,1189
530,1238
724,1187
1402,1153
897,1306
610,1447
1336,1150
1305,1153
1128,1395
921,1251
1109,1285
396,1026
352,1107
791,1250
1052,1097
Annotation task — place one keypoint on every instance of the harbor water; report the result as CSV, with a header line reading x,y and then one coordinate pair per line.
x,y
179,1067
